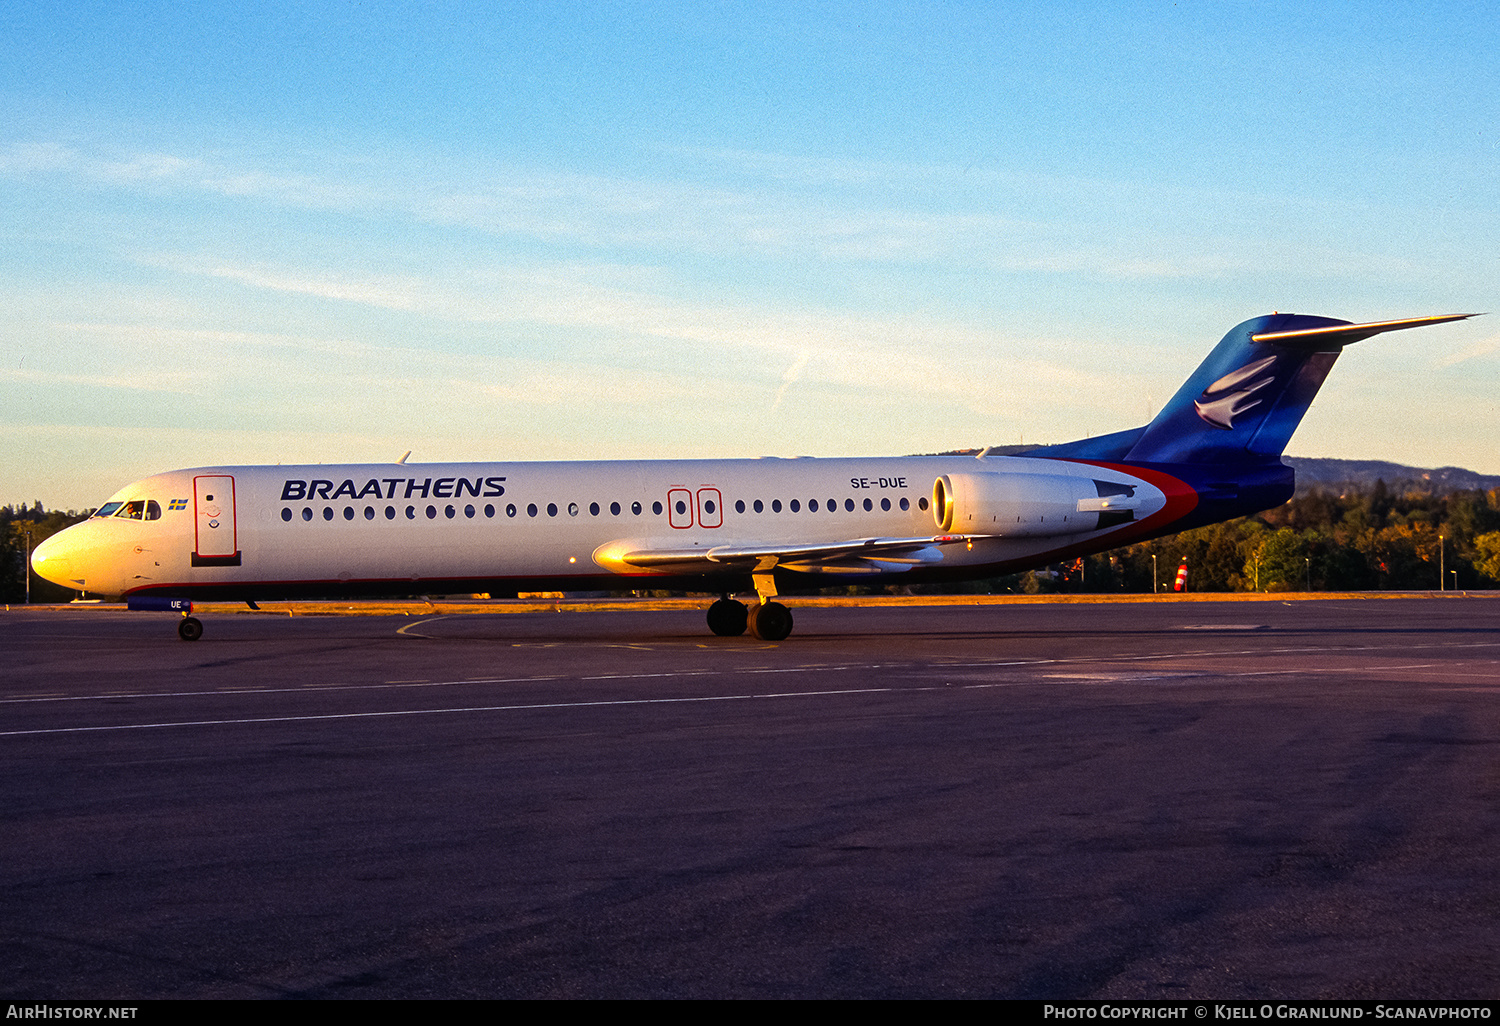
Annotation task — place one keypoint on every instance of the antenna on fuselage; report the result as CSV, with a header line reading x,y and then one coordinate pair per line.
x,y
403,458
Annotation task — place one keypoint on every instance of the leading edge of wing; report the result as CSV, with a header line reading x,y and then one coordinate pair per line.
x,y
844,556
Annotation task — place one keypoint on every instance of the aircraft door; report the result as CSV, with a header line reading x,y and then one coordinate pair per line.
x,y
710,508
215,537
679,508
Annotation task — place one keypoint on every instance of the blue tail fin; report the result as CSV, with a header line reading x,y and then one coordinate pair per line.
x,y
1244,401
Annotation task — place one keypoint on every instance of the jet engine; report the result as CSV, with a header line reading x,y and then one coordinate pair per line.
x,y
1030,505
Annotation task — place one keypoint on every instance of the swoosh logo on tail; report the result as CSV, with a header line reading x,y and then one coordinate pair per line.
x,y
1236,393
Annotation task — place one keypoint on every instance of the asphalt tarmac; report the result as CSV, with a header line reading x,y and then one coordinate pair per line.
x,y
1233,800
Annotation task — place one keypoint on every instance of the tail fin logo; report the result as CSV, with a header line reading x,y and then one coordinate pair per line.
x,y
1236,393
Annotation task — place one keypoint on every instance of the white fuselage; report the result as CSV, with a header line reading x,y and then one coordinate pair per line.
x,y
409,528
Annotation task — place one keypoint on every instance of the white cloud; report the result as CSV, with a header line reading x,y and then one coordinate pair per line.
x,y
170,381
760,217
1478,350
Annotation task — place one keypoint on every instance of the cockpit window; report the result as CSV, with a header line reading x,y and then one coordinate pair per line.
x,y
133,509
108,509
153,510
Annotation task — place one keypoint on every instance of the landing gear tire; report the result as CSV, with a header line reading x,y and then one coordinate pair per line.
x,y
727,618
770,621
190,629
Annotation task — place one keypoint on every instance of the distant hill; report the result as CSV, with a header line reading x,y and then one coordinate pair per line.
x,y
1336,475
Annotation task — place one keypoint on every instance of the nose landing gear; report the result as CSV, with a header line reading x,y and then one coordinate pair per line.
x,y
190,629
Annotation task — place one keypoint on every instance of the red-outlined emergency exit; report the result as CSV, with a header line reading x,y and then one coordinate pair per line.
x,y
215,538
680,508
710,508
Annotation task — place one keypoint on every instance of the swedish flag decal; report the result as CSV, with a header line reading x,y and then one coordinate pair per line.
x,y
177,504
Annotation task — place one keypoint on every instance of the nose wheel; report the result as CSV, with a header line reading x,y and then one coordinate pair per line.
x,y
190,629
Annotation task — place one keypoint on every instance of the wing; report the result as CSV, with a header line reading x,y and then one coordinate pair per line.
x,y
855,556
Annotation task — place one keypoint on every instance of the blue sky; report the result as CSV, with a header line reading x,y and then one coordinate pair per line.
x,y
323,233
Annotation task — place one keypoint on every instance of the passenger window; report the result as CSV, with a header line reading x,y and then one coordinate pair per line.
x,y
635,508
348,512
759,506
885,504
286,513
922,504
390,512
739,505
489,510
448,512
869,505
812,505
327,512
469,512
614,509
775,505
656,508
572,509
905,505
593,509
431,512
552,509
369,512
796,506
531,510
510,509
411,512
306,512
849,505
833,505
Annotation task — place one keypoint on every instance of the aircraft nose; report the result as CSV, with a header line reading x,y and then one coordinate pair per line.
x,y
54,558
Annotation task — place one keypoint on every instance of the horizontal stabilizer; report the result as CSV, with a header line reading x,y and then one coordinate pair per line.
x,y
1339,335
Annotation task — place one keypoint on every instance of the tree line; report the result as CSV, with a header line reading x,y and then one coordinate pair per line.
x,y
1357,539
22,529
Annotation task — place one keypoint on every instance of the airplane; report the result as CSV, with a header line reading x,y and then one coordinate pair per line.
x,y
233,533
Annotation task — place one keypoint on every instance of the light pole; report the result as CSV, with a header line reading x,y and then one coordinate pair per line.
x,y
26,566
1155,587
1308,561
1442,571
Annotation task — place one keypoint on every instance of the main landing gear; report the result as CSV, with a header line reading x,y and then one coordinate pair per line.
x,y
765,619
728,618
770,621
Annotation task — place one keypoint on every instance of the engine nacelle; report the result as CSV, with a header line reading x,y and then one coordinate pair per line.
x,y
1029,505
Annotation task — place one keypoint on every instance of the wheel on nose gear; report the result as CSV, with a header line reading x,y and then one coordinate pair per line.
x,y
190,629
770,621
727,618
